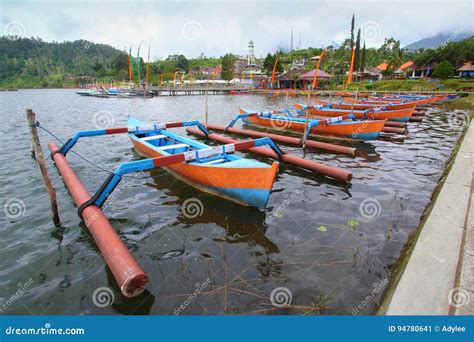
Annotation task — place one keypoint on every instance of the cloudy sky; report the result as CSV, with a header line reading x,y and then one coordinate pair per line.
x,y
217,27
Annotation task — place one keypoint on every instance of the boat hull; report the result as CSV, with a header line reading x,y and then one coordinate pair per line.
x,y
401,115
350,103
357,130
248,183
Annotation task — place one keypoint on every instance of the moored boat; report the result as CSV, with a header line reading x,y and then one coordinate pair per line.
x,y
362,105
402,115
241,180
342,127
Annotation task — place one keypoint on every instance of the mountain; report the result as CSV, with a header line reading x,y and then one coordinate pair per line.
x,y
438,40
46,63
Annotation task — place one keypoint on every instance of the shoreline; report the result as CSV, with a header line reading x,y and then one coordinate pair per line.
x,y
435,265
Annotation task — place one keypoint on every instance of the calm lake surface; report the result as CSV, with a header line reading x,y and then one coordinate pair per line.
x,y
331,245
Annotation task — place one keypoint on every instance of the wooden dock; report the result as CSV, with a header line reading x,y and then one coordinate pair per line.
x,y
193,90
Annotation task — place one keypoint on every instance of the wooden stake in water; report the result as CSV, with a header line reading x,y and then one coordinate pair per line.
x,y
306,122
206,108
37,152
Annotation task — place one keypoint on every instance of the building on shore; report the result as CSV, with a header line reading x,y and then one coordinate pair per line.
x,y
291,79
247,67
466,71
307,78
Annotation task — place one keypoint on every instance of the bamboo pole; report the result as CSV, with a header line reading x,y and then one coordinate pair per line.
x,y
37,153
303,141
206,112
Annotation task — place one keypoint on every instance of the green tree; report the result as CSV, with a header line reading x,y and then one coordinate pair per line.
x,y
120,66
363,59
269,62
228,67
357,52
352,30
443,70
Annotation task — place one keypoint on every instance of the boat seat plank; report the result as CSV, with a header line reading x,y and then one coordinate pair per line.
x,y
171,147
153,137
216,161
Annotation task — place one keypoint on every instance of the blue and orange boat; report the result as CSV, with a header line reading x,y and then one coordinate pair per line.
x,y
401,115
227,175
346,127
216,170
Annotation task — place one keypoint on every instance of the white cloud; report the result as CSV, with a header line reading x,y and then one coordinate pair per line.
x,y
228,26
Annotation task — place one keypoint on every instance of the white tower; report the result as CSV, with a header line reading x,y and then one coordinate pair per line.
x,y
251,55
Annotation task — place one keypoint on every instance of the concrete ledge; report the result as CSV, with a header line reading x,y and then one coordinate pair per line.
x,y
431,273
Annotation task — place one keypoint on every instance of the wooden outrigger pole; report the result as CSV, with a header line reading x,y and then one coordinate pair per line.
x,y
351,69
126,271
274,70
315,78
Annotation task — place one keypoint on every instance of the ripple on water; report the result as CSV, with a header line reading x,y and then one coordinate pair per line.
x,y
327,242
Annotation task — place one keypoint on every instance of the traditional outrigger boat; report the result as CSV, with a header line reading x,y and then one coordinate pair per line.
x,y
418,99
342,127
216,170
401,115
362,105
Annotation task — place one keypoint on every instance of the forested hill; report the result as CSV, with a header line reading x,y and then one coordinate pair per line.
x,y
33,62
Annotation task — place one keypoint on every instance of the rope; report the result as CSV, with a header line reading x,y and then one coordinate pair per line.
x,y
37,124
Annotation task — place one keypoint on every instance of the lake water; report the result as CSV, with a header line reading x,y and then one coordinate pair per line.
x,y
325,244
